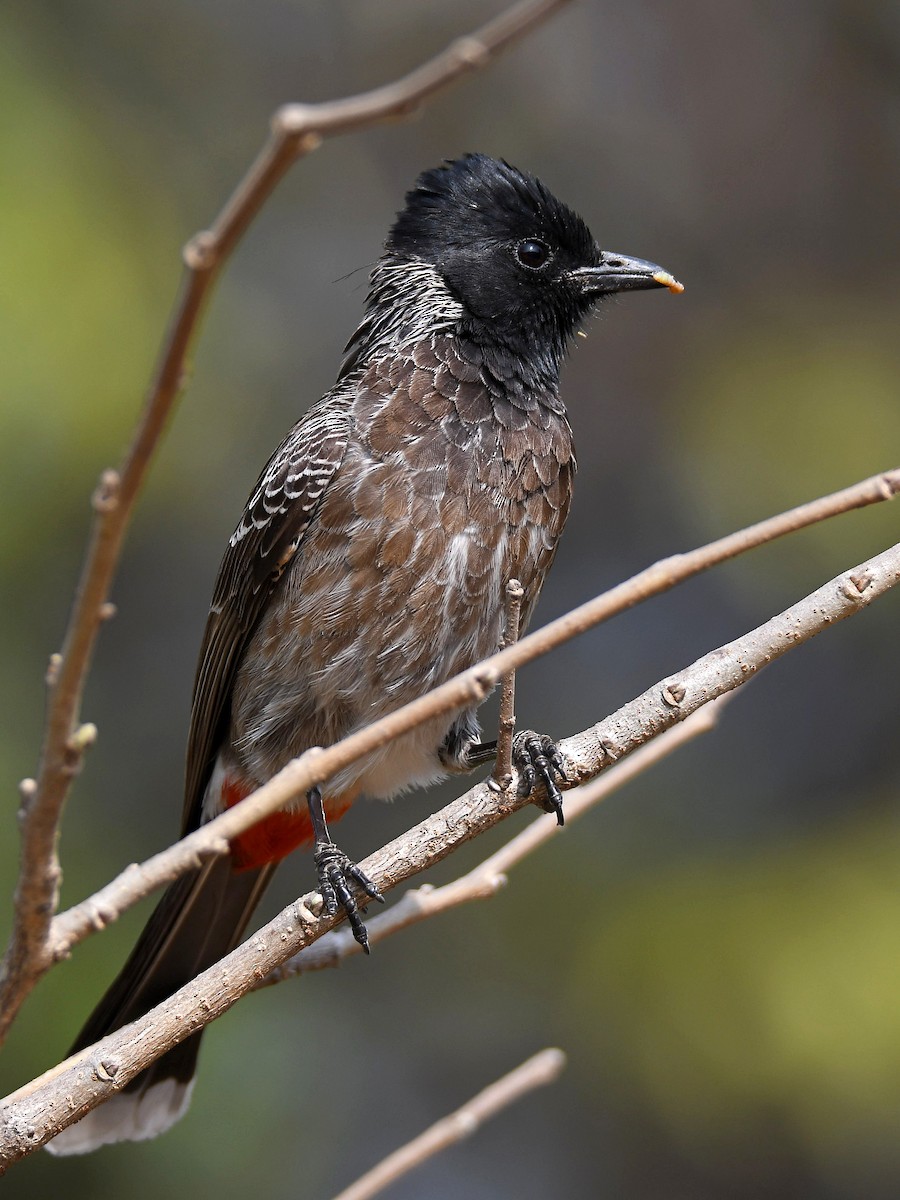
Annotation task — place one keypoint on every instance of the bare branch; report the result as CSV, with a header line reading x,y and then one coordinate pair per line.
x,y
42,1108
545,1067
472,686
296,130
502,773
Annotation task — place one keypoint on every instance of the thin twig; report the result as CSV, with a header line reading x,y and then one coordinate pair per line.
x,y
471,687
296,130
42,1108
506,729
487,879
544,1068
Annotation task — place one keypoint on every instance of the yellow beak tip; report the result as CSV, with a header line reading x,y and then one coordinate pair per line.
x,y
669,281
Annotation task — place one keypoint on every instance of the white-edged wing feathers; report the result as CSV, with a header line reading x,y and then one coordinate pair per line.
x,y
267,537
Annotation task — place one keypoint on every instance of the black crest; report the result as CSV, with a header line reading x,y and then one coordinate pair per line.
x,y
482,199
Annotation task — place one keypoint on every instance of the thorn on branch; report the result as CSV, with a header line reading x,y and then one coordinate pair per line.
x,y
106,493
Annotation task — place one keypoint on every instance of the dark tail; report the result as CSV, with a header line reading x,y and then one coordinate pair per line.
x,y
199,919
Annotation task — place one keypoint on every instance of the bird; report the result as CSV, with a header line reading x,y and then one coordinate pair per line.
x,y
370,564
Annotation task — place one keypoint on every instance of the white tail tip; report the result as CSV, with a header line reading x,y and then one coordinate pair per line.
x,y
126,1117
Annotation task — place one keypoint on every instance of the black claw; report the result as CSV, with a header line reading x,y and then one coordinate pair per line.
x,y
365,882
537,758
335,872
360,932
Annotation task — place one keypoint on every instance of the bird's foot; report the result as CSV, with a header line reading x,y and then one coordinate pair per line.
x,y
538,759
336,875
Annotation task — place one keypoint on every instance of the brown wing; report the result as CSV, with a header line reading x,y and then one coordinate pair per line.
x,y
269,534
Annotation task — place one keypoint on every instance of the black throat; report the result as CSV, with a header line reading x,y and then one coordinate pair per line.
x,y
409,301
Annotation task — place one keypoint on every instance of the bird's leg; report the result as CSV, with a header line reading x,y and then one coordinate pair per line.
x,y
476,754
461,751
336,871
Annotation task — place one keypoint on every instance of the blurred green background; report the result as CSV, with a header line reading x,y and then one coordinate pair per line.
x,y
717,948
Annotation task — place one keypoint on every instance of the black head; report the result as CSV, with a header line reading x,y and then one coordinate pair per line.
x,y
522,265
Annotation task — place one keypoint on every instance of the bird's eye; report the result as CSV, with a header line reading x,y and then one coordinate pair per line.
x,y
533,253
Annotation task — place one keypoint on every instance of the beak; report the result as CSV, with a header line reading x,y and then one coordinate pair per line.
x,y
618,273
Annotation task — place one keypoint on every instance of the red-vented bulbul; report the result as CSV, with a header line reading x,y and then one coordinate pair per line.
x,y
370,565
